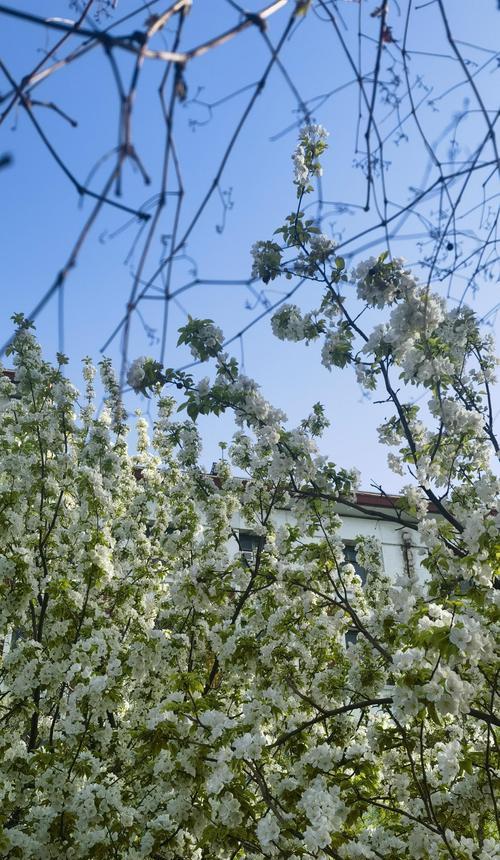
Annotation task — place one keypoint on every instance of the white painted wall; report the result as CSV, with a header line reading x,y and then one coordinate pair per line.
x,y
391,536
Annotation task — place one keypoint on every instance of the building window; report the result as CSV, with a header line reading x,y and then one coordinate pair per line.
x,y
351,637
248,544
350,558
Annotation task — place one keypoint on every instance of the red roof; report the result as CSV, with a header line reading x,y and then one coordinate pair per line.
x,y
376,500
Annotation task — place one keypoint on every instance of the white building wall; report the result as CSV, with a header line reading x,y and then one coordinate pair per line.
x,y
400,544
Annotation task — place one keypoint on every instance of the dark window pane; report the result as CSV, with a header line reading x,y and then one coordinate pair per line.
x,y
351,637
350,557
249,542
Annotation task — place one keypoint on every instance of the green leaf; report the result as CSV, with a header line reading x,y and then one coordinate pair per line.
x,y
433,714
193,410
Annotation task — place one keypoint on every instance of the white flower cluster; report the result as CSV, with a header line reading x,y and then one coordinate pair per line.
x,y
268,831
312,141
190,444
325,811
288,323
208,340
301,171
336,349
266,263
379,283
456,417
136,373
310,265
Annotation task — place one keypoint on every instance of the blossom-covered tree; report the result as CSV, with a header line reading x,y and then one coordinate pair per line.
x,y
164,697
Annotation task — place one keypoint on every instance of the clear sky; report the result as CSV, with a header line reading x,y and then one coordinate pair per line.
x,y
42,216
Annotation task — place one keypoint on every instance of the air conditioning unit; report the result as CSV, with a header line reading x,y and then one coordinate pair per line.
x,y
248,555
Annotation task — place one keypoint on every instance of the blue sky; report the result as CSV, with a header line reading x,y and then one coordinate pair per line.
x,y
41,214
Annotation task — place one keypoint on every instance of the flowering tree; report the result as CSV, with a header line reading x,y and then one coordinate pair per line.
x,y
164,697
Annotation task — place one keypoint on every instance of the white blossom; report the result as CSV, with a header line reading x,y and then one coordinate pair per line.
x,y
136,372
